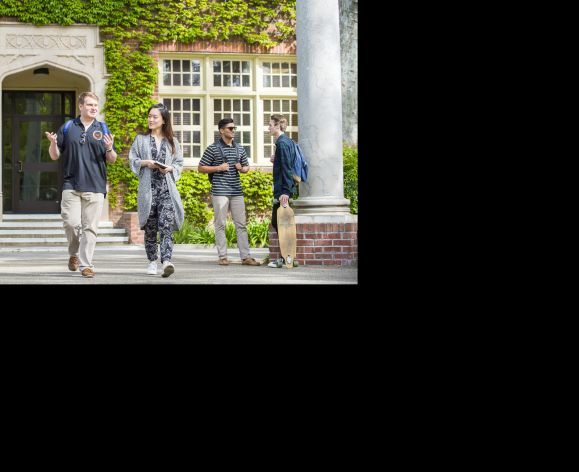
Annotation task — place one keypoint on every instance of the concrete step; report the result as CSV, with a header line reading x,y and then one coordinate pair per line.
x,y
43,224
31,217
59,241
47,230
38,233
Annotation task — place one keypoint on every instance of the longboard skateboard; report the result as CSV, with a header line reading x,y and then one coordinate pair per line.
x,y
286,231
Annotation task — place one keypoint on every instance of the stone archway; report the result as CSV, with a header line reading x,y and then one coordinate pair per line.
x,y
73,55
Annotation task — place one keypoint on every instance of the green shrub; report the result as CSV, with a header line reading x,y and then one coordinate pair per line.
x,y
230,233
204,236
257,189
350,156
189,234
257,233
183,235
195,189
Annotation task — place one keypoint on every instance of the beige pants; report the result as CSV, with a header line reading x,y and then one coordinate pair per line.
x,y
80,213
237,206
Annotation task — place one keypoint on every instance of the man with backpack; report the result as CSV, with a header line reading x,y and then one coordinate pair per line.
x,y
86,146
283,161
223,161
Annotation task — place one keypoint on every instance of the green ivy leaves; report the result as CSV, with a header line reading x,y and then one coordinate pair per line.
x,y
129,29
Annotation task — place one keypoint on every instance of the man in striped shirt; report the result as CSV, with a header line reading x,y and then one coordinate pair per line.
x,y
223,161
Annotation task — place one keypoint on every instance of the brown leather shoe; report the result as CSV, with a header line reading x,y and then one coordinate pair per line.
x,y
88,273
223,261
250,261
73,263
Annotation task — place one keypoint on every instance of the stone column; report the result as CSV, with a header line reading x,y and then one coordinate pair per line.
x,y
320,107
327,233
349,55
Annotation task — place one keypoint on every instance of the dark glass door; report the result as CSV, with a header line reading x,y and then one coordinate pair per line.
x,y
35,179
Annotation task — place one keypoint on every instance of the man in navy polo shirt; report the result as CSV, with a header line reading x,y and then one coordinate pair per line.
x,y
85,150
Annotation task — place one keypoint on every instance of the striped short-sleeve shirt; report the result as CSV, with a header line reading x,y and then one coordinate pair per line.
x,y
225,182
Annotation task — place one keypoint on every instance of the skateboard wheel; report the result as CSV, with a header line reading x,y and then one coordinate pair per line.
x,y
296,263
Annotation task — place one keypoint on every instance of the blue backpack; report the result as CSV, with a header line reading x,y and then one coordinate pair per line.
x,y
300,167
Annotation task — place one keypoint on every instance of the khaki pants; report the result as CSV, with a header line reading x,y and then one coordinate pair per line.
x,y
80,213
237,206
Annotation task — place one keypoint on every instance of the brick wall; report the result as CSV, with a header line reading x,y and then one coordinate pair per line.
x,y
238,47
116,213
321,244
130,221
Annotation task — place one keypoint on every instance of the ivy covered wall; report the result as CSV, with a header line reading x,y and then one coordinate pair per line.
x,y
129,29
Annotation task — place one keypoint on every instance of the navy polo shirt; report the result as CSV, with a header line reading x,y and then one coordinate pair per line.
x,y
84,164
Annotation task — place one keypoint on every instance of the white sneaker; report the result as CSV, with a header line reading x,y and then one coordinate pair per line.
x,y
152,269
276,264
168,268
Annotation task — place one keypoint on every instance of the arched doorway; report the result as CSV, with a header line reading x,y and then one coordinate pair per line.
x,y
35,101
68,60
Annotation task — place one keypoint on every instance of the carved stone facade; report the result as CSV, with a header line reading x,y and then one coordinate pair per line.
x,y
45,41
76,49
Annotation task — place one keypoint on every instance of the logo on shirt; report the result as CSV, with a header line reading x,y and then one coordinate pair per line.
x,y
98,135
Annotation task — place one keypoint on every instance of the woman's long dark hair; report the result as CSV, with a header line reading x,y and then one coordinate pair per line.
x,y
167,127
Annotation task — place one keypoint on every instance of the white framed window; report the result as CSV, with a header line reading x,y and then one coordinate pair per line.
x,y
181,72
279,106
240,110
280,74
201,88
231,73
186,120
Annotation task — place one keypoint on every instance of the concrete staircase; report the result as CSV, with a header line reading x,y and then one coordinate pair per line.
x,y
47,230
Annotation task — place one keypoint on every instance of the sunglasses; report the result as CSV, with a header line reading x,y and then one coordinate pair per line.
x,y
231,128
83,137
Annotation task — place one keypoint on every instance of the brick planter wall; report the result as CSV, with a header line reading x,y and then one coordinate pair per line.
x,y
116,214
321,244
130,221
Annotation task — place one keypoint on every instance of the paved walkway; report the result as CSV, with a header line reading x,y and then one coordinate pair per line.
x,y
127,264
